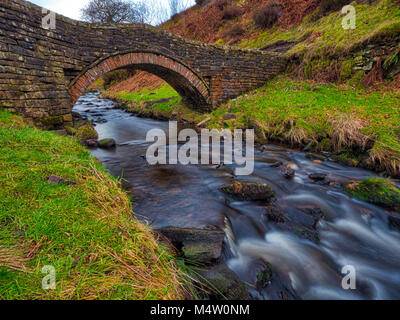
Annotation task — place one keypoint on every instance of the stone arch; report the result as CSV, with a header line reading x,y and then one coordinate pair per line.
x,y
184,80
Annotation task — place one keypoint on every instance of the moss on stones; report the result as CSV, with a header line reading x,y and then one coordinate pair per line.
x,y
246,190
86,132
315,66
107,143
70,130
347,69
325,145
51,122
378,191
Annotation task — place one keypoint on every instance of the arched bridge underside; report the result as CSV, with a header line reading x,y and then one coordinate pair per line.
x,y
43,72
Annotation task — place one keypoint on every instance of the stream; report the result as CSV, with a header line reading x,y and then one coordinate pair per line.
x,y
311,231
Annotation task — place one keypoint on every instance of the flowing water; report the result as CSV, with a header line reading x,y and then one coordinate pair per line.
x,y
323,229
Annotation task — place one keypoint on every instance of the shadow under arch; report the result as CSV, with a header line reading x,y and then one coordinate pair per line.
x,y
190,86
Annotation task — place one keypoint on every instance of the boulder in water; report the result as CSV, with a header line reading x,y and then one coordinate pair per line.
x,y
107,143
246,190
275,214
317,176
378,191
198,246
86,132
222,283
288,172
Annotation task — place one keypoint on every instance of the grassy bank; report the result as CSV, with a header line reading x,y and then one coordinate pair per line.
x,y
86,230
322,50
361,127
320,35
160,103
165,92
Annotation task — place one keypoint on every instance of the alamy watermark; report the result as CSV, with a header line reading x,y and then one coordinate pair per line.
x,y
49,281
349,21
191,153
49,20
349,280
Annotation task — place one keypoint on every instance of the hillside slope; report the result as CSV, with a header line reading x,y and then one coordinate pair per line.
x,y
308,31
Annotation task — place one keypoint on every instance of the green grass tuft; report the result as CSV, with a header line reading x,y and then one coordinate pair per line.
x,y
165,92
381,192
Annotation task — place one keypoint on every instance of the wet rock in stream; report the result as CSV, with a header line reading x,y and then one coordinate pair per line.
x,y
288,173
247,190
315,156
100,120
107,143
203,248
277,288
91,143
264,277
275,214
222,283
301,222
198,246
394,220
317,176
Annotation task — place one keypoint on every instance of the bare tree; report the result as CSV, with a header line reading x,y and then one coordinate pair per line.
x,y
115,11
173,6
159,11
177,6
143,13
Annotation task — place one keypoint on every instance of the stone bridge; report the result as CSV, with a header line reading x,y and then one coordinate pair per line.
x,y
44,71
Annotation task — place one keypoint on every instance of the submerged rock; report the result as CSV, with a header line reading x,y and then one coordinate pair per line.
x,y
275,214
246,190
101,120
317,176
223,284
276,164
315,156
394,220
198,246
107,143
264,277
288,173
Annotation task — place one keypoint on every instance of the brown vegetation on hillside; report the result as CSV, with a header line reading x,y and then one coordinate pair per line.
x,y
224,22
213,22
137,82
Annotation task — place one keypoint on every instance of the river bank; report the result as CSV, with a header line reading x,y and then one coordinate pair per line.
x,y
60,208
352,125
